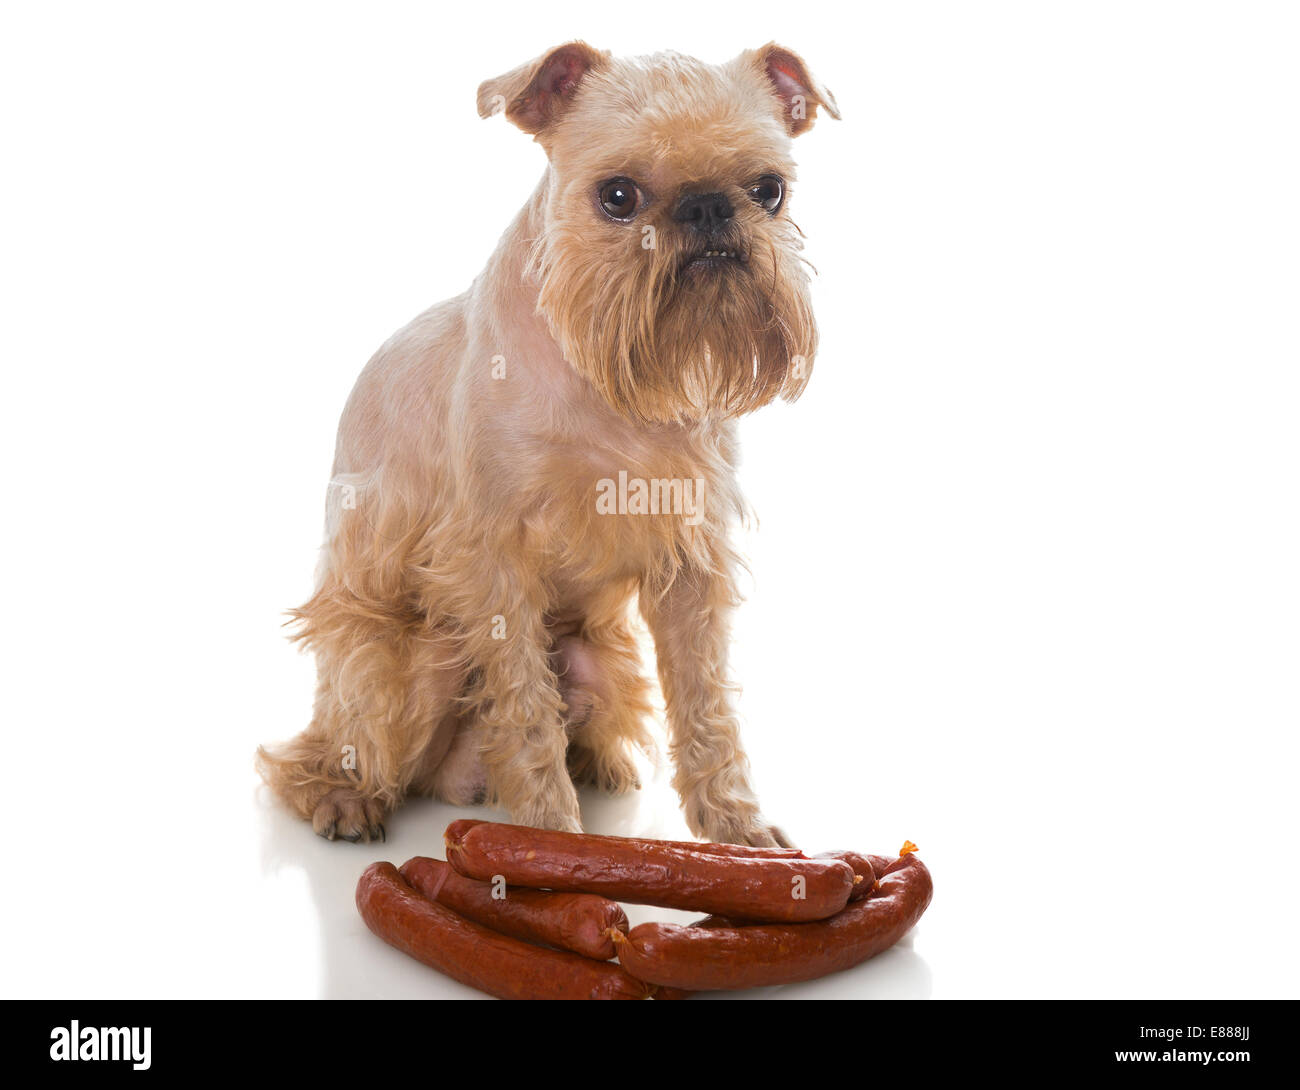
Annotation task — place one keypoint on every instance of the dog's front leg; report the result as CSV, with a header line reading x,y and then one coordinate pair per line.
x,y
691,629
521,732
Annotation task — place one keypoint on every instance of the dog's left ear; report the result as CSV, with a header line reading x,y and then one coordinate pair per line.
x,y
535,94
799,91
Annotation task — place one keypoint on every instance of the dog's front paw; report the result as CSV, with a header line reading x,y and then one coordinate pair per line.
x,y
756,834
536,817
741,824
767,836
345,815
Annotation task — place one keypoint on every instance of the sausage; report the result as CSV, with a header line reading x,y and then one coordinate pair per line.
x,y
880,864
721,957
863,871
571,921
779,889
478,956
867,867
860,863
883,864
457,829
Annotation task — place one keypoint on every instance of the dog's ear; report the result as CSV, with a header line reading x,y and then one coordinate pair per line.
x,y
535,94
799,91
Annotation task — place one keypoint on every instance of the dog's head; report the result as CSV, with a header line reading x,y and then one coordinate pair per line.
x,y
668,268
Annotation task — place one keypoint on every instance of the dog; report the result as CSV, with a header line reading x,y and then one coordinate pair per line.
x,y
524,467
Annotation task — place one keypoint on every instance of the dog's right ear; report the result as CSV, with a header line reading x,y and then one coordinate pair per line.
x,y
535,94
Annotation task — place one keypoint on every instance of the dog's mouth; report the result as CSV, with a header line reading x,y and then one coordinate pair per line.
x,y
707,260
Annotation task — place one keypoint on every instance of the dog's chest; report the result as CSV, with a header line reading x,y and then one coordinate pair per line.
x,y
611,514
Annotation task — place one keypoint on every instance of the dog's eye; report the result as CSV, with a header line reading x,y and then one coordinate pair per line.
x,y
768,193
620,198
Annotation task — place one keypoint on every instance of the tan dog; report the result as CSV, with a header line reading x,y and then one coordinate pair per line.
x,y
523,465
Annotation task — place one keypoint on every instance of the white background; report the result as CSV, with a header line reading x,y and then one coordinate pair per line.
x,y
1026,586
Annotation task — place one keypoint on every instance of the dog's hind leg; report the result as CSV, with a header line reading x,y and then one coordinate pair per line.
x,y
384,710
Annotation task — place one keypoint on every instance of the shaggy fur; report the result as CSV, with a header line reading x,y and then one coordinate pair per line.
x,y
473,619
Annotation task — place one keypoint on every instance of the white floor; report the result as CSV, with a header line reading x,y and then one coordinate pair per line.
x,y
206,890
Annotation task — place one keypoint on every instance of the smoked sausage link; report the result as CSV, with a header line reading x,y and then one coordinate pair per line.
x,y
716,957
860,863
478,956
580,922
648,872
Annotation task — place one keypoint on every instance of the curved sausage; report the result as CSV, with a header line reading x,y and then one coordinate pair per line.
x,y
720,957
571,921
476,955
883,864
647,872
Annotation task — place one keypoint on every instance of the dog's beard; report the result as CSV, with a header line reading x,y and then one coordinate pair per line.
x,y
662,340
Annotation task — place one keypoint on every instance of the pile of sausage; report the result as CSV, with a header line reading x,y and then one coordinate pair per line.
x,y
525,913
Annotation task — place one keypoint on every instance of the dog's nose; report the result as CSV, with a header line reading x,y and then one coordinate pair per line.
x,y
707,213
